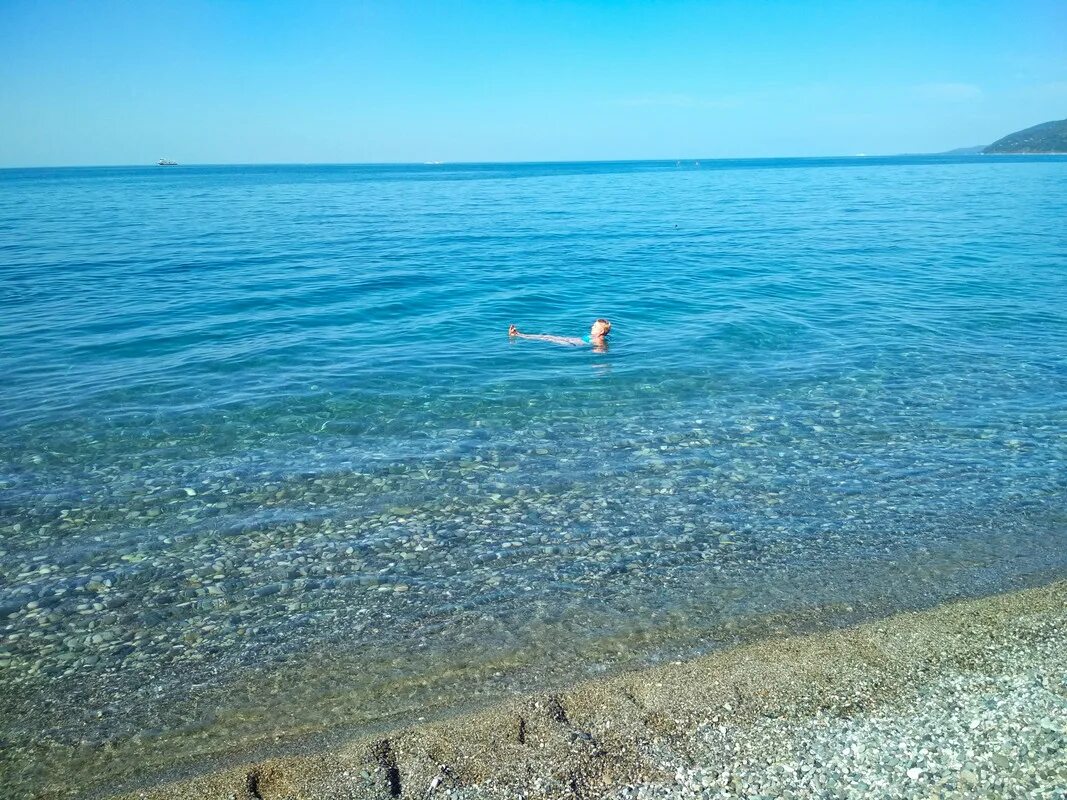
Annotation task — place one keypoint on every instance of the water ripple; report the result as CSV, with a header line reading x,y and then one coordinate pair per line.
x,y
261,418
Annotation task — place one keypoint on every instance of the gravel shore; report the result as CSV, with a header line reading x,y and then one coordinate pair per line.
x,y
965,700
998,732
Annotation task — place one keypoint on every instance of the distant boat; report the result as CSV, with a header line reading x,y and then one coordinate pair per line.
x,y
164,162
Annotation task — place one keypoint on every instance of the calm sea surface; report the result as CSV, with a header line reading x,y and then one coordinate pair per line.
x,y
271,469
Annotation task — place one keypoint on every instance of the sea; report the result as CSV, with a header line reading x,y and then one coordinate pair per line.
x,y
274,475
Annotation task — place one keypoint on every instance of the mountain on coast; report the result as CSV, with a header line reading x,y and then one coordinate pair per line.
x,y
1048,137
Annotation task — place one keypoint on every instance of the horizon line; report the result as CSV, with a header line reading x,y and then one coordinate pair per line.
x,y
690,160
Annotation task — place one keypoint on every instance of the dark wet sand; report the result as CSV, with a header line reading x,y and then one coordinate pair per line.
x,y
603,735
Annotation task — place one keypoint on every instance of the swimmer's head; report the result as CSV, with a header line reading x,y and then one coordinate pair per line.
x,y
600,328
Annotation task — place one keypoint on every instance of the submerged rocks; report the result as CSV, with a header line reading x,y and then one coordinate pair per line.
x,y
657,532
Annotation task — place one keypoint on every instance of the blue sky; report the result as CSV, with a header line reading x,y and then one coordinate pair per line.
x,y
224,82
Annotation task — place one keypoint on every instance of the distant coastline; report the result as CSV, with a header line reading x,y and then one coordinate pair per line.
x,y
689,163
1047,138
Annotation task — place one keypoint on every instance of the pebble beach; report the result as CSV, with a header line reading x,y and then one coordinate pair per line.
x,y
968,700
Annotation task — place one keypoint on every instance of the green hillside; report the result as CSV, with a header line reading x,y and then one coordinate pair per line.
x,y
1048,137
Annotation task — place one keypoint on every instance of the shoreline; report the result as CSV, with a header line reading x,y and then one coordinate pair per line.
x,y
633,735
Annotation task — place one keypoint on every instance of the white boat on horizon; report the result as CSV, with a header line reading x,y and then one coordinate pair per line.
x,y
165,162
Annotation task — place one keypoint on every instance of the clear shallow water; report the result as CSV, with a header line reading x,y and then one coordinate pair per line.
x,y
272,468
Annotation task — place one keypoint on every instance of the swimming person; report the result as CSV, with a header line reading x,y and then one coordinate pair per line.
x,y
597,336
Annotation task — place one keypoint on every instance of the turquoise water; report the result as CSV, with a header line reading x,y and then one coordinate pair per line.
x,y
272,468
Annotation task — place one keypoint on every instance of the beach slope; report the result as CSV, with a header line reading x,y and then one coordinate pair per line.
x,y
967,699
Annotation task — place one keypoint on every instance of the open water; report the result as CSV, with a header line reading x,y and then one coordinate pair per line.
x,y
271,469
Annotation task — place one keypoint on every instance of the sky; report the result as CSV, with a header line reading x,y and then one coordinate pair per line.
x,y
96,83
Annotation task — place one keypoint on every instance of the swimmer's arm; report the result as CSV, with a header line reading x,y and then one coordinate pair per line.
x,y
545,337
